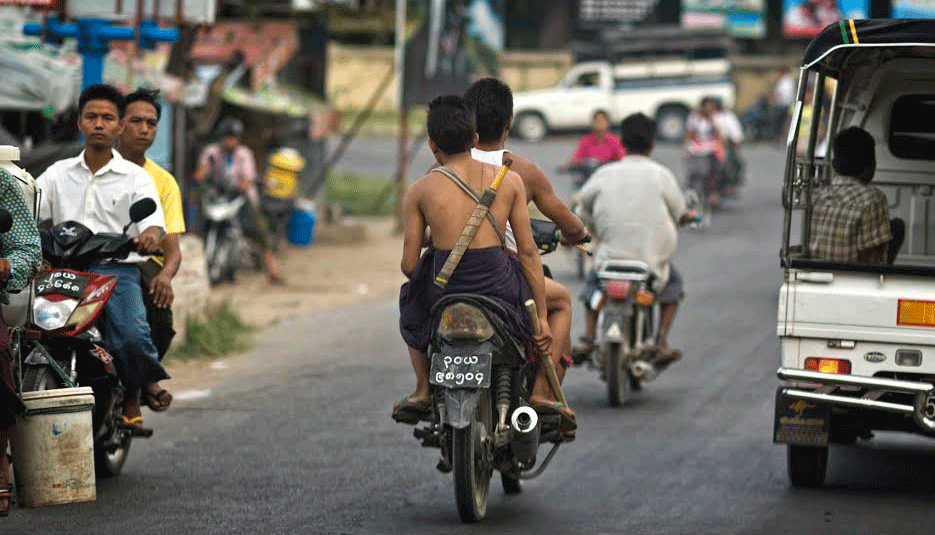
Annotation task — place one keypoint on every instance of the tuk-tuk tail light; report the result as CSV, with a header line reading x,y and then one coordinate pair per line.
x,y
826,365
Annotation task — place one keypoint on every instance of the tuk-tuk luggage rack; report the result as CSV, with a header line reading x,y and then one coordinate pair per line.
x,y
871,389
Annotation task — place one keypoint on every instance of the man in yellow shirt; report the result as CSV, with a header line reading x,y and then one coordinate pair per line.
x,y
141,123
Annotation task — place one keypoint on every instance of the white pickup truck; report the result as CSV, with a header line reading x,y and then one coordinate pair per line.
x,y
666,90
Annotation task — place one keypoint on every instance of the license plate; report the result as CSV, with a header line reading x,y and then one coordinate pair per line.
x,y
460,371
64,283
801,422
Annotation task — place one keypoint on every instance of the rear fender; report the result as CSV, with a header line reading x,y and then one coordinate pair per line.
x,y
613,320
460,406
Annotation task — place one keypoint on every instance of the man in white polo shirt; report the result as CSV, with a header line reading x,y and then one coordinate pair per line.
x,y
96,189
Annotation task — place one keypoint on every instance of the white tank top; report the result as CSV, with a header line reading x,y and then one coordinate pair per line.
x,y
495,157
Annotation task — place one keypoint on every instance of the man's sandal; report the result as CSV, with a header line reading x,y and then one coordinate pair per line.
x,y
553,417
411,412
581,353
159,401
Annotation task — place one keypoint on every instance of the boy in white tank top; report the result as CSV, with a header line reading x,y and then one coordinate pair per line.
x,y
492,102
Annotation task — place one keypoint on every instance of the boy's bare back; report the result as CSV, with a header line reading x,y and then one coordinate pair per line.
x,y
447,208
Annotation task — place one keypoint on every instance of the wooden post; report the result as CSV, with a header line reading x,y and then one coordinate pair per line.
x,y
403,165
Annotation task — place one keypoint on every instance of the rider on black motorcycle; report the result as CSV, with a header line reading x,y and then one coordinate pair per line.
x,y
492,102
635,206
436,201
96,189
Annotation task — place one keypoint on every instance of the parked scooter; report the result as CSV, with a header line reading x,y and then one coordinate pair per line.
x,y
226,246
59,345
482,380
624,351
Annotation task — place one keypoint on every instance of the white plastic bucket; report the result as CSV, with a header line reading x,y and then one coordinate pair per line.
x,y
53,448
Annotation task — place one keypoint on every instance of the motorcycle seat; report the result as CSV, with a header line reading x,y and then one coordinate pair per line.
x,y
623,270
493,308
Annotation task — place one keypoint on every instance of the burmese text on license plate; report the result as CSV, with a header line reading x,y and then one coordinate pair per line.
x,y
460,371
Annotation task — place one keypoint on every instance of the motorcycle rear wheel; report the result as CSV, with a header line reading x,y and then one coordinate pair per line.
x,y
473,465
618,376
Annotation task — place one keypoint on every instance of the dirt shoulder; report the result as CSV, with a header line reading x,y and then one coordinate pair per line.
x,y
323,276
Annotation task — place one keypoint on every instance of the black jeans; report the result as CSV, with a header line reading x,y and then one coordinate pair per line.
x,y
160,319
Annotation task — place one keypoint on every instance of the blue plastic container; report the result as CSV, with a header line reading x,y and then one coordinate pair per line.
x,y
302,227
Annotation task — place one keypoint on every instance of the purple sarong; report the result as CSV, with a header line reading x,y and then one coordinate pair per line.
x,y
490,272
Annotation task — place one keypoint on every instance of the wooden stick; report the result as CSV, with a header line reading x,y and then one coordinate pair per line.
x,y
470,230
547,358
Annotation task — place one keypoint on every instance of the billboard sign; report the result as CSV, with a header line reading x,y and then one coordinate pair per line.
x,y
738,18
914,9
807,18
445,44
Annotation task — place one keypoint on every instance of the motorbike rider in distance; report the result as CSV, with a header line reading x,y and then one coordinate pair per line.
x,y
437,202
635,207
492,102
231,166
706,150
600,144
96,189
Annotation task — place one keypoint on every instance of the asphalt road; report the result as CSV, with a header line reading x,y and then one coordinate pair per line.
x,y
298,439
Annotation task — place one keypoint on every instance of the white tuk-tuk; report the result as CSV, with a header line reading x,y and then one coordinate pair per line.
x,y
858,340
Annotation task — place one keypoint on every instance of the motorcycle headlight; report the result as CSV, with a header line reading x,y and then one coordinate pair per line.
x,y
52,315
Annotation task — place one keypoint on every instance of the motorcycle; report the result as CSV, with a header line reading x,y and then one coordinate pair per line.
x,y
580,173
482,380
59,346
226,246
698,188
624,350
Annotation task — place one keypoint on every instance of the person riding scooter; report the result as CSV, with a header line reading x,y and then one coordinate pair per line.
x,y
231,166
96,189
635,207
600,144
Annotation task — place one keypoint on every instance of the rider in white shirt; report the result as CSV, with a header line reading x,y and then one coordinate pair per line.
x,y
96,189
635,206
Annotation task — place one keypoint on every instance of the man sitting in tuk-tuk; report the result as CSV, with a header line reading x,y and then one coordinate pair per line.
x,y
850,218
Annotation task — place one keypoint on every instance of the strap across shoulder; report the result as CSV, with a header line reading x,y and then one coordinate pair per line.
x,y
469,191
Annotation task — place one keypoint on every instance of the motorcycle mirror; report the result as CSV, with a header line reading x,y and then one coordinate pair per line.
x,y
6,221
142,209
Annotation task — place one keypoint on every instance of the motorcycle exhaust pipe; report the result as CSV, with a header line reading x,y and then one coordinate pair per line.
x,y
643,370
525,436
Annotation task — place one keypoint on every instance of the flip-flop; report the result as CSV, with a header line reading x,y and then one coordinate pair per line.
x,y
159,401
135,426
411,412
580,353
668,357
551,410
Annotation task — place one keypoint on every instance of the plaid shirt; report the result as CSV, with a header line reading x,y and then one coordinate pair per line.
x,y
21,244
848,216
